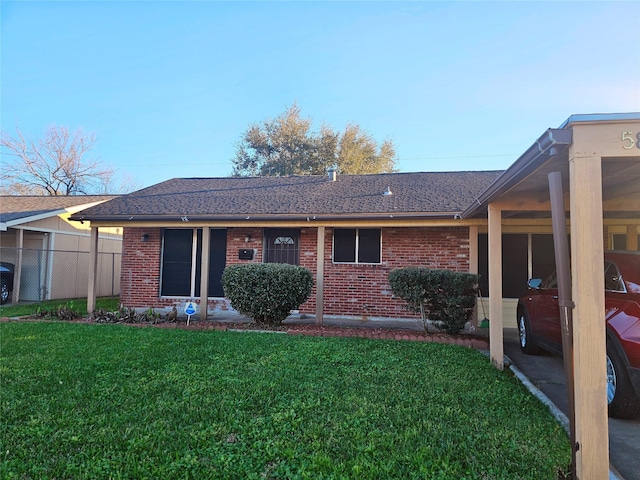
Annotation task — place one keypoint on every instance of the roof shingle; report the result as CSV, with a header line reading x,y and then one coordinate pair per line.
x,y
241,197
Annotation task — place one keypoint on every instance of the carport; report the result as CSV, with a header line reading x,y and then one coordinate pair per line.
x,y
588,172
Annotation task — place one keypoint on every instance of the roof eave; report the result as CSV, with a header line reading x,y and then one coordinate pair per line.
x,y
124,219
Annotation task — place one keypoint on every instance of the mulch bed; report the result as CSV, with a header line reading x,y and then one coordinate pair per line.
x,y
464,340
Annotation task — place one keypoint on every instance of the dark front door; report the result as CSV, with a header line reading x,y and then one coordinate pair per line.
x,y
282,245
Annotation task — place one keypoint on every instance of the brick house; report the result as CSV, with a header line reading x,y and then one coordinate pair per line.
x,y
581,179
350,231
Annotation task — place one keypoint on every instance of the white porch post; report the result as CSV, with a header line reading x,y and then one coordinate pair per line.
x,y
204,273
320,276
17,276
495,287
93,270
587,266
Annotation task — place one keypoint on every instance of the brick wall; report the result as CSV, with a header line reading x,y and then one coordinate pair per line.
x,y
363,290
349,289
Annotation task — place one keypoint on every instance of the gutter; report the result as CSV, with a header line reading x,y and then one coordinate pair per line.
x,y
124,219
552,143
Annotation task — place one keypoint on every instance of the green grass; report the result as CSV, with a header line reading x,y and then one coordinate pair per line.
x,y
79,304
114,401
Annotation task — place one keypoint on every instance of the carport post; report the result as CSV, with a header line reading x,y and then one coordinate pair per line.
x,y
563,269
93,270
589,335
496,335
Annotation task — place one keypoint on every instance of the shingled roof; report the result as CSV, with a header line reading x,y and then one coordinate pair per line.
x,y
17,208
349,196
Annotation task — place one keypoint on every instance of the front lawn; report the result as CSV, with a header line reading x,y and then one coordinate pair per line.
x,y
114,401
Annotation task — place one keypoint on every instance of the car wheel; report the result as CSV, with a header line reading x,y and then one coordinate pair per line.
x,y
4,293
622,399
524,330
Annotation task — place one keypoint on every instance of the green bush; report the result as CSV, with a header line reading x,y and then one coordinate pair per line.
x,y
445,297
266,292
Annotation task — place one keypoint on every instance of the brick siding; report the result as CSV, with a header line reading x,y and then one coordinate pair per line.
x,y
349,289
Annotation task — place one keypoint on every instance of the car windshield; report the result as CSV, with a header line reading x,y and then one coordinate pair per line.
x,y
612,278
550,282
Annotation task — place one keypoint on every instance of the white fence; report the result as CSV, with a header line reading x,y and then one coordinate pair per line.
x,y
57,274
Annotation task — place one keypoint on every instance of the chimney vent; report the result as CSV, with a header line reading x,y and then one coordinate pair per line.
x,y
388,191
332,174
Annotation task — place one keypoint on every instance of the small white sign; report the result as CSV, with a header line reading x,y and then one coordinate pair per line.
x,y
190,308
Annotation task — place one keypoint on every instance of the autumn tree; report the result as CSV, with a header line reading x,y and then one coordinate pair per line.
x,y
60,163
287,145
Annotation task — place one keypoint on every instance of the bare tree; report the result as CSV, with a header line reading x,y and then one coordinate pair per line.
x,y
58,164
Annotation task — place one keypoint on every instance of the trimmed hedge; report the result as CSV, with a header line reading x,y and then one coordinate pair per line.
x,y
445,297
266,292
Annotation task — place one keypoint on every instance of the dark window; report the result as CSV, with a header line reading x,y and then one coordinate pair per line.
x,y
177,260
282,245
514,264
181,271
543,260
344,245
356,245
619,241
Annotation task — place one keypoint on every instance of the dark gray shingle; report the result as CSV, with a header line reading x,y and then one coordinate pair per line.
x,y
428,193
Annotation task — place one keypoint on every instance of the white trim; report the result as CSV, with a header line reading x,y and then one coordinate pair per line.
x,y
49,214
78,233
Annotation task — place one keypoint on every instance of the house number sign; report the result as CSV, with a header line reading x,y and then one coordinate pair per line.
x,y
630,140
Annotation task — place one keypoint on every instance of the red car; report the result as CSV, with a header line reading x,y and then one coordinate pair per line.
x,y
539,327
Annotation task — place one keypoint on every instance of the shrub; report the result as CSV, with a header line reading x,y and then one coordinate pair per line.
x,y
63,312
266,292
445,297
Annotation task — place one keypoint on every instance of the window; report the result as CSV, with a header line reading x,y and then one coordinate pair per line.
x,y
282,245
181,262
356,245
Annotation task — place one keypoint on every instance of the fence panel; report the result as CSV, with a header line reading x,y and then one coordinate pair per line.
x,y
57,274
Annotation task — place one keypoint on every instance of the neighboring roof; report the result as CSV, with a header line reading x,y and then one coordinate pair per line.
x,y
436,194
17,209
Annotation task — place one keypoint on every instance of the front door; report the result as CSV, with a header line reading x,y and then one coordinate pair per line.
x,y
282,245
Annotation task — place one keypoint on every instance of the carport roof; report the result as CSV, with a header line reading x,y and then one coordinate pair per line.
x,y
550,153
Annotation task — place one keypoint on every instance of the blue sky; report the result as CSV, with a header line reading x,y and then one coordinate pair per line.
x,y
169,87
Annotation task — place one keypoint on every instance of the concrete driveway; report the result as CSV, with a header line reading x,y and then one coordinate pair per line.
x,y
546,372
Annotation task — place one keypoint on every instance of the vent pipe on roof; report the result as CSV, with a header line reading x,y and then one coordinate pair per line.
x,y
332,174
388,191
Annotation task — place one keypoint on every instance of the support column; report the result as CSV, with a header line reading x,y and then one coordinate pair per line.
x,y
93,270
496,333
589,337
320,276
17,275
204,273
